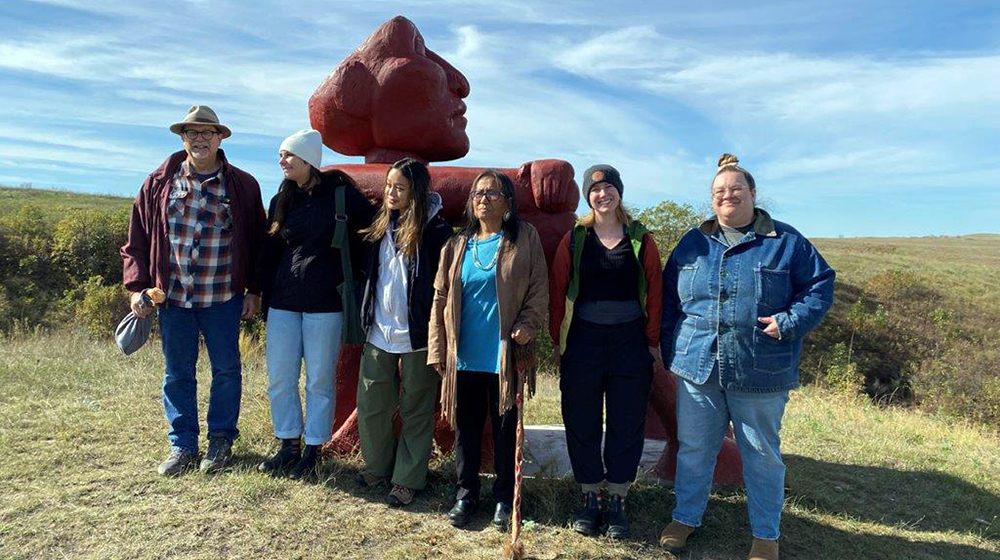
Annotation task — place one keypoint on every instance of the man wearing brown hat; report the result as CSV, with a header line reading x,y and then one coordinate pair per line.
x,y
195,231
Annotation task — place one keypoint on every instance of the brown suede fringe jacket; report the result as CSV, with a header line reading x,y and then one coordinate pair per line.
x,y
522,301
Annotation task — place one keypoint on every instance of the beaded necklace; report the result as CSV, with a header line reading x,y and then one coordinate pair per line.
x,y
475,257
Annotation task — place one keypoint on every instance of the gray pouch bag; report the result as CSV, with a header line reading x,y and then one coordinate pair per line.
x,y
132,332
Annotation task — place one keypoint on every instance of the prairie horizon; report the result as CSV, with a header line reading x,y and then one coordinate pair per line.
x,y
41,192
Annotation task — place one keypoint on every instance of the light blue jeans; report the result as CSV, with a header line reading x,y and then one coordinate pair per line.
x,y
703,416
292,337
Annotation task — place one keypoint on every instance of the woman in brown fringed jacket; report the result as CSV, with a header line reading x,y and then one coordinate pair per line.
x,y
490,294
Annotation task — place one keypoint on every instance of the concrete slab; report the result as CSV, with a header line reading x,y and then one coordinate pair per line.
x,y
545,452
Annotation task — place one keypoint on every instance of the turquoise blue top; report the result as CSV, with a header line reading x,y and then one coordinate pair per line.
x,y
479,332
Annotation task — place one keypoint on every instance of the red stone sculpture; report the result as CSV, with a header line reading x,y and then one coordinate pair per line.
x,y
392,98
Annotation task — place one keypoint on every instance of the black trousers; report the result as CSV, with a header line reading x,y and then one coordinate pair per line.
x,y
605,365
478,396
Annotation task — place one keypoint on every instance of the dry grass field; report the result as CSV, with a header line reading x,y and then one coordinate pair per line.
x,y
81,431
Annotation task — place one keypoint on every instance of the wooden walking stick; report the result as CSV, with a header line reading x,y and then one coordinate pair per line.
x,y
515,548
526,363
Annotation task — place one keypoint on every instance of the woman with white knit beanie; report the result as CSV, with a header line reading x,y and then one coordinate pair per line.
x,y
300,274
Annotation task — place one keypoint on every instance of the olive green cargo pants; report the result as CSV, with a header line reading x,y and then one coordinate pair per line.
x,y
389,382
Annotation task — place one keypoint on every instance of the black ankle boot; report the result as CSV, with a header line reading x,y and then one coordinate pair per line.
x,y
615,519
501,518
287,456
462,512
307,464
589,521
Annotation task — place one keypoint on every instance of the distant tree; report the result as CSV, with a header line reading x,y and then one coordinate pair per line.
x,y
96,308
86,243
669,222
31,282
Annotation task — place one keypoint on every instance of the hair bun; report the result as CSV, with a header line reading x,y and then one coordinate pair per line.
x,y
728,159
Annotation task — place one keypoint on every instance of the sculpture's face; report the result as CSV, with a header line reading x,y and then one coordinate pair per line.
x,y
418,105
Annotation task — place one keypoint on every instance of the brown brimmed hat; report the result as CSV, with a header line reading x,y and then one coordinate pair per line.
x,y
201,114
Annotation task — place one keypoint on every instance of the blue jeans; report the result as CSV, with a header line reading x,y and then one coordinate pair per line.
x,y
703,416
179,328
292,337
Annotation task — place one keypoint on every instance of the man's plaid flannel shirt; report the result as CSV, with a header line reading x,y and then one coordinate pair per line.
x,y
200,229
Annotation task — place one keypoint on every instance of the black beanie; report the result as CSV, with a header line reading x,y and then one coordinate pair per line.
x,y
601,173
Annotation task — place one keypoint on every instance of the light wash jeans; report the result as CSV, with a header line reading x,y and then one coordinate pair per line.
x,y
703,416
292,337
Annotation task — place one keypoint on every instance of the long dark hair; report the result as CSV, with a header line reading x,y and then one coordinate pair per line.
x,y
511,222
413,218
286,192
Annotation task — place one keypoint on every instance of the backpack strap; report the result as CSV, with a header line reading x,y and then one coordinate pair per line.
x,y
340,238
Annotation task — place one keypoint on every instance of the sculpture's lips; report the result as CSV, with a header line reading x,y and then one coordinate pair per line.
x,y
457,118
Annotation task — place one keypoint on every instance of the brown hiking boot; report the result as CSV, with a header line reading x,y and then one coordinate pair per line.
x,y
220,452
178,462
764,550
675,535
400,496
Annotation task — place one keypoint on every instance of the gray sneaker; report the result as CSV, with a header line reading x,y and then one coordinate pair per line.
x,y
177,462
220,451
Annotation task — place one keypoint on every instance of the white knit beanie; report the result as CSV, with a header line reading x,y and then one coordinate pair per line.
x,y
307,145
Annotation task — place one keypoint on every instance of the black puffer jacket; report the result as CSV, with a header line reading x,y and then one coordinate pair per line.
x,y
422,271
300,270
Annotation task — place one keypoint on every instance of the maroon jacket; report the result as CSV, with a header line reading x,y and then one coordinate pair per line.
x,y
146,254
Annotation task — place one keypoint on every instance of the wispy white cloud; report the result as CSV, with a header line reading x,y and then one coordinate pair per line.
x,y
519,113
844,122
787,85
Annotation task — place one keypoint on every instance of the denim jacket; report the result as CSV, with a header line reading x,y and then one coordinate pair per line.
x,y
714,293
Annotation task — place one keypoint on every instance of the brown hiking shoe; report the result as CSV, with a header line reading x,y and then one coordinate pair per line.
x,y
675,535
220,452
178,462
764,550
400,496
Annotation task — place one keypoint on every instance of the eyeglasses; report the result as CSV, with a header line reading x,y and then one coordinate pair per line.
x,y
735,191
492,195
204,134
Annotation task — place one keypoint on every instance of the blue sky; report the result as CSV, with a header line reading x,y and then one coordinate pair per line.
x,y
856,118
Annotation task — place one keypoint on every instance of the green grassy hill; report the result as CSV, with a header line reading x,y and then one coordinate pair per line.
x,y
963,270
55,204
916,322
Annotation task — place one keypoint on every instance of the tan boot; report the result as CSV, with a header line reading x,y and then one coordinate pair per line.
x,y
764,550
675,535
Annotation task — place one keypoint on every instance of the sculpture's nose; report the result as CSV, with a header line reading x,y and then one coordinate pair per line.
x,y
457,82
